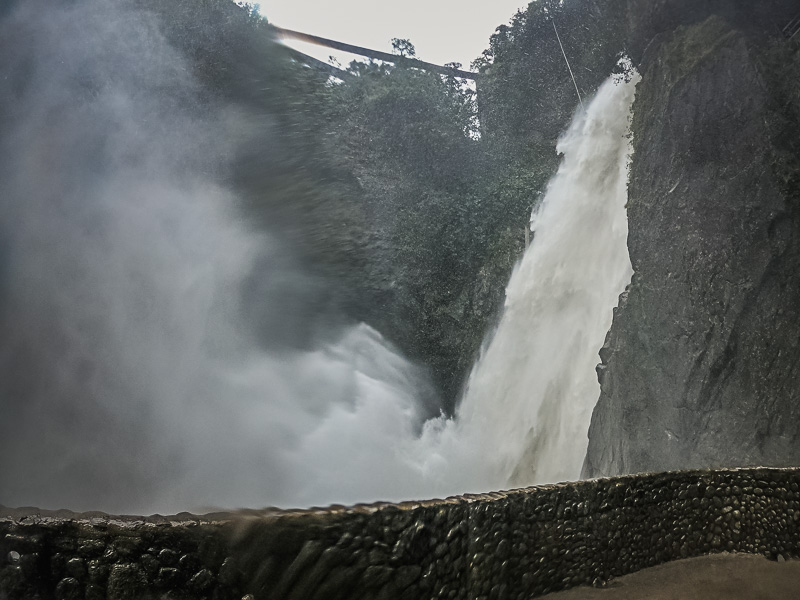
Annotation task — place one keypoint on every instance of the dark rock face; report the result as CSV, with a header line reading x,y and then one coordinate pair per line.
x,y
648,18
700,368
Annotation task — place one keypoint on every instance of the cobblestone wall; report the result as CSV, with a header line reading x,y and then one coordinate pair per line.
x,y
515,544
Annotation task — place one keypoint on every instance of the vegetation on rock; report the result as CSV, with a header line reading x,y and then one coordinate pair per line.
x,y
410,217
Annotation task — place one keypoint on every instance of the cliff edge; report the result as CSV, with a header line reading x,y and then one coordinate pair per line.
x,y
701,367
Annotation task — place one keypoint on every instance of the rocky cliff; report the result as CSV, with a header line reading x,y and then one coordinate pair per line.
x,y
700,367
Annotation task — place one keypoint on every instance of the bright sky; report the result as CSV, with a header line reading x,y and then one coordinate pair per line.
x,y
442,31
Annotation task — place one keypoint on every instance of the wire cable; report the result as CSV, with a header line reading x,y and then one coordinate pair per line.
x,y
567,61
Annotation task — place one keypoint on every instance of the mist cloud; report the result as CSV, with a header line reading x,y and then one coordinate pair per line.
x,y
131,378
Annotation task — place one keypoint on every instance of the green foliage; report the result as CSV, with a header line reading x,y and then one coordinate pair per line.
x,y
409,137
403,48
383,182
527,94
411,115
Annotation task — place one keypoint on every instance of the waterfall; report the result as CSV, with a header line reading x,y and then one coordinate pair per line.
x,y
525,415
130,376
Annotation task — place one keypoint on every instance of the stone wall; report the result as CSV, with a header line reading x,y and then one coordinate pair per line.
x,y
94,556
514,544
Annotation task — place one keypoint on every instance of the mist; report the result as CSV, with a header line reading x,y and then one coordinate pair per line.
x,y
146,357
160,352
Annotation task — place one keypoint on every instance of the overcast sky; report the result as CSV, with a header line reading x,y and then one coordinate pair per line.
x,y
441,30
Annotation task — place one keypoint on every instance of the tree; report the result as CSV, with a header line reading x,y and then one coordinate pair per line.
x,y
403,48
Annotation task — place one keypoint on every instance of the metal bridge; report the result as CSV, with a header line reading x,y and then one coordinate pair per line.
x,y
360,51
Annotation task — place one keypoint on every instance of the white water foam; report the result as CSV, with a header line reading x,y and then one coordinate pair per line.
x,y
526,412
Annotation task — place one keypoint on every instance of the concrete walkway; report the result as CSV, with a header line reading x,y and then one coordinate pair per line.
x,y
717,577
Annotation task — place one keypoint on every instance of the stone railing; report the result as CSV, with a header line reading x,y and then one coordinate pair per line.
x,y
514,544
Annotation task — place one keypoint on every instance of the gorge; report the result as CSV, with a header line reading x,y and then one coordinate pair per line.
x,y
227,281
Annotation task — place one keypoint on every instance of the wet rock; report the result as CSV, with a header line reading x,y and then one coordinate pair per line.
x,y
76,568
127,548
110,554
307,556
228,572
98,572
150,564
91,549
201,581
440,551
336,581
95,592
405,576
58,564
189,563
126,582
168,558
69,588
30,565
22,544
375,576
169,578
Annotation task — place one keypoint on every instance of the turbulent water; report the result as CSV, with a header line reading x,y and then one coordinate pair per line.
x,y
525,415
130,376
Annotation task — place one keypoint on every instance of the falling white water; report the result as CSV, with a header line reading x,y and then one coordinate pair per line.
x,y
351,433
129,374
525,416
